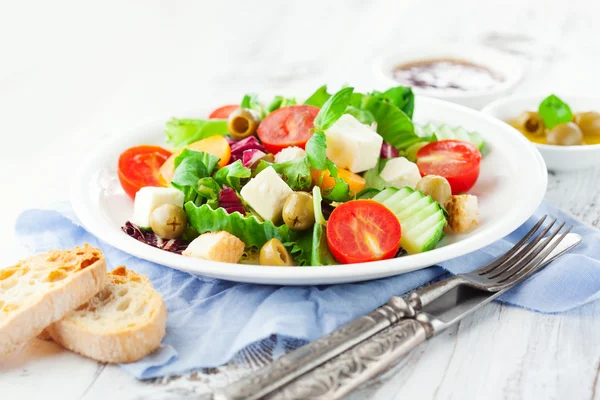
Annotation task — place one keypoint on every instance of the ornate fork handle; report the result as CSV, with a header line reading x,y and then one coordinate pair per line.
x,y
344,373
296,363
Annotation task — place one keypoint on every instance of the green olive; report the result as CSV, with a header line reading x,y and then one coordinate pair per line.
x,y
529,122
168,221
567,134
435,186
298,211
242,123
589,123
273,253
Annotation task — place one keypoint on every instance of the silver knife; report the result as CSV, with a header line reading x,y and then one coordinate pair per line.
x,y
414,328
344,373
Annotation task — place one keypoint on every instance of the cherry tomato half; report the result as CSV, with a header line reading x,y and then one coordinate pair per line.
x,y
455,160
361,231
223,112
140,166
287,126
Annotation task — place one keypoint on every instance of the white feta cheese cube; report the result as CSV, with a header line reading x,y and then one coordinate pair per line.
x,y
266,193
400,172
216,246
289,154
352,145
148,198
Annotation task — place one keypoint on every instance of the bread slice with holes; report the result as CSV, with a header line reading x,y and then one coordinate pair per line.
x,y
123,323
42,289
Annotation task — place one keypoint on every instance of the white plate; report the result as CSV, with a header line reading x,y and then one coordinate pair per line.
x,y
505,65
511,185
558,158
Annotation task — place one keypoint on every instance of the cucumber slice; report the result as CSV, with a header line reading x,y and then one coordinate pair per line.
x,y
385,194
421,218
445,132
411,152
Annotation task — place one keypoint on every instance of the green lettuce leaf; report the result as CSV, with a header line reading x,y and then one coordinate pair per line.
x,y
208,192
393,124
301,249
248,229
232,174
280,102
364,116
373,179
554,111
181,132
403,98
296,173
340,192
333,109
320,254
251,102
190,167
319,97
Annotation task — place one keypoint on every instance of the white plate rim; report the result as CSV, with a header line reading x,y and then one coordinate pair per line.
x,y
306,275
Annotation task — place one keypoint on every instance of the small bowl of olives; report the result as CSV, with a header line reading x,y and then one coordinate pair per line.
x,y
565,129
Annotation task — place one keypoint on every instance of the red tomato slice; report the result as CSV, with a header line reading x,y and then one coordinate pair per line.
x,y
361,231
140,166
223,112
455,160
288,126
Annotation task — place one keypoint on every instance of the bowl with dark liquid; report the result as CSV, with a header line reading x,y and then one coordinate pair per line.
x,y
471,76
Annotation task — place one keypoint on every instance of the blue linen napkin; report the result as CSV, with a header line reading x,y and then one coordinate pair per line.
x,y
211,320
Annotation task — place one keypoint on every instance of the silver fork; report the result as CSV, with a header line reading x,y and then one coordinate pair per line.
x,y
513,266
522,260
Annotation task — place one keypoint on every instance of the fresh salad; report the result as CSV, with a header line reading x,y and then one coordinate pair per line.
x,y
340,178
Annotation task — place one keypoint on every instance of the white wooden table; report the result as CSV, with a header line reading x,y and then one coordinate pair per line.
x,y
72,74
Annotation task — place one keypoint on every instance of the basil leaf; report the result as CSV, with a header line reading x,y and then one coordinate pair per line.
x,y
181,132
320,254
554,111
340,191
249,230
403,98
232,174
280,102
296,173
333,109
319,97
363,116
316,150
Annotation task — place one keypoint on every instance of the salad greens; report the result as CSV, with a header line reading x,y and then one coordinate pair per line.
x,y
320,254
249,230
232,174
280,102
333,109
319,97
190,167
181,132
554,111
296,173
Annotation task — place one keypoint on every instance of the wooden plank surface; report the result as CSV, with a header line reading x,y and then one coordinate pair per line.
x,y
73,74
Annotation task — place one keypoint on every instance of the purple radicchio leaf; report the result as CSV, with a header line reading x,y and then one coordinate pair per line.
x,y
150,238
388,151
230,202
249,157
239,147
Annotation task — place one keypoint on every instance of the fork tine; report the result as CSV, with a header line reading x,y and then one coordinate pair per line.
x,y
523,263
523,254
514,250
538,262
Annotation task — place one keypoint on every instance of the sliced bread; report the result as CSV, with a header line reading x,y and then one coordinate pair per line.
x,y
42,289
123,323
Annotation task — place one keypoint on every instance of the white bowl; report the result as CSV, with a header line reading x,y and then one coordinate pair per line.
x,y
512,166
557,158
497,62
